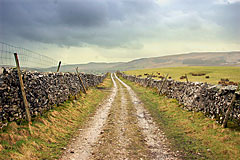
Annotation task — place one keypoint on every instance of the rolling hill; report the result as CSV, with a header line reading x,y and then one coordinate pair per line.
x,y
179,60
189,59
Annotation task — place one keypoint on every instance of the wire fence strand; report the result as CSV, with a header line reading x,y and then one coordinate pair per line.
x,y
28,59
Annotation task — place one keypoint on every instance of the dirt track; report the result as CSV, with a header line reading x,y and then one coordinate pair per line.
x,y
120,129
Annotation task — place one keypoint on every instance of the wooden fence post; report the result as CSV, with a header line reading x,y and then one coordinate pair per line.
x,y
81,82
59,65
162,84
226,117
23,91
151,76
87,86
186,78
150,79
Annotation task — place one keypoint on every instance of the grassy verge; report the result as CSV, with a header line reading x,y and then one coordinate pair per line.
x,y
53,130
191,133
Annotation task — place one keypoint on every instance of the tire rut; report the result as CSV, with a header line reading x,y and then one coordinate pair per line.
x,y
121,137
154,137
81,146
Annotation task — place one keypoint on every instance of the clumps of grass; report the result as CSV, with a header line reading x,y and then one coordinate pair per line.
x,y
191,133
52,131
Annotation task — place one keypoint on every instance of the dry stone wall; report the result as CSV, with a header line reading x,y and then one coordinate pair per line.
x,y
43,91
212,100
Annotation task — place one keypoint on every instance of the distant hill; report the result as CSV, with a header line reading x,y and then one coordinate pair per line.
x,y
91,67
189,59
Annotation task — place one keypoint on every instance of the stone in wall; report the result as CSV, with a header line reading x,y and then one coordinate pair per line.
x,y
212,100
43,90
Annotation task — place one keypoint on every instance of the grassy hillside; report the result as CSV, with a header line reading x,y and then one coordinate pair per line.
x,y
189,59
179,60
214,73
89,67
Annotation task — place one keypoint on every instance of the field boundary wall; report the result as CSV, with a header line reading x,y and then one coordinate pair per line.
x,y
43,91
212,100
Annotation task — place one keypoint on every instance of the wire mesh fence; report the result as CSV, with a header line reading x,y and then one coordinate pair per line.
x,y
28,59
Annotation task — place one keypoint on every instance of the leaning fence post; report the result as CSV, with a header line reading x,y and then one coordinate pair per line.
x,y
23,91
224,125
87,86
150,80
81,82
59,65
162,85
186,78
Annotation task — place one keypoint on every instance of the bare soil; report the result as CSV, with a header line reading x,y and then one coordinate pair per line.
x,y
120,129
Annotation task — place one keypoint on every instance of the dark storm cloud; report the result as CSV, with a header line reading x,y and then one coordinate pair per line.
x,y
112,23
82,13
70,22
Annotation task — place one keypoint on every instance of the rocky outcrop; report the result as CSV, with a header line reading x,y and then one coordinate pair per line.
x,y
212,100
43,91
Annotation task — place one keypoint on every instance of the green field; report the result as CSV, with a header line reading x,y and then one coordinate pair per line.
x,y
214,73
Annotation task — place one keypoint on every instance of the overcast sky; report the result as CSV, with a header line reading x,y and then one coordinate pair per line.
x,y
81,31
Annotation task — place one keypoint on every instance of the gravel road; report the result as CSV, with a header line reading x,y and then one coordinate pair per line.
x,y
121,129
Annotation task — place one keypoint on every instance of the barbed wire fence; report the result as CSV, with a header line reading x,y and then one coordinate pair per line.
x,y
29,60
